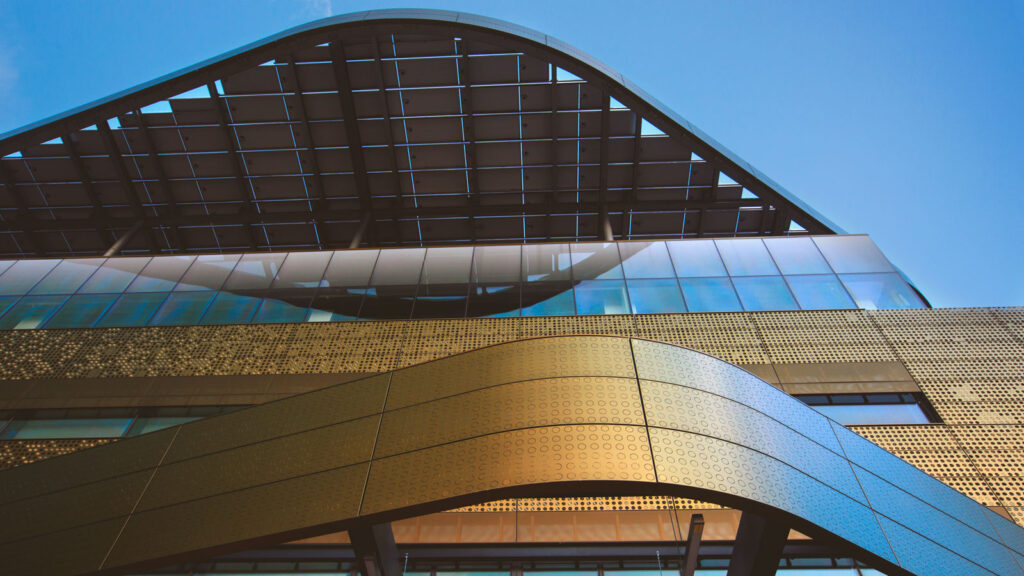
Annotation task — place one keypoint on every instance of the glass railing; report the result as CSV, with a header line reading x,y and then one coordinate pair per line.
x,y
632,277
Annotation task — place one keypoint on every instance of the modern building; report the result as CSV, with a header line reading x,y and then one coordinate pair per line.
x,y
417,292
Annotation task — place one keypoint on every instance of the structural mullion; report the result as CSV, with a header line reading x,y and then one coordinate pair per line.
x,y
314,163
165,184
99,218
396,203
339,66
25,217
114,153
237,167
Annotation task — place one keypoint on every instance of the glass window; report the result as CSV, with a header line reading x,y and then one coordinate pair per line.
x,y
656,296
23,275
595,261
601,297
70,428
388,302
161,274
797,256
6,302
852,415
548,299
819,292
646,260
746,257
441,301
81,311
447,266
399,266
493,300
336,304
709,295
764,293
67,276
283,307
5,264
114,276
880,291
30,312
208,272
154,423
500,264
133,309
231,308
182,309
852,254
351,268
254,272
302,270
695,258
546,262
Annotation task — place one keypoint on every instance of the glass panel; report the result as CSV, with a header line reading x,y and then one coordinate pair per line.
x,y
441,301
351,268
302,270
764,293
72,428
874,414
398,266
133,309
595,260
797,256
601,297
746,257
21,277
493,300
68,276
284,306
207,272
709,295
5,264
852,254
655,296
819,292
6,302
646,260
114,276
880,291
548,299
695,258
546,262
254,272
161,274
497,263
154,423
447,265
336,304
81,311
231,308
182,309
30,312
387,302
816,572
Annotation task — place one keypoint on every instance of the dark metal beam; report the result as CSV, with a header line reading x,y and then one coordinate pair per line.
x,y
24,214
469,133
314,163
237,165
689,566
389,134
375,551
126,185
760,541
165,184
604,224
635,177
121,242
357,238
99,213
350,121
553,125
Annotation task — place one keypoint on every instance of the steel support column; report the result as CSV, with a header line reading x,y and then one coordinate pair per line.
x,y
375,550
689,566
759,544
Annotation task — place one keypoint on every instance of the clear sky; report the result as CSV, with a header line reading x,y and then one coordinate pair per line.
x,y
903,120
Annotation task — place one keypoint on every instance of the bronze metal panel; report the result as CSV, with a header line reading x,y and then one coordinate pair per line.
x,y
518,458
75,551
93,465
524,360
296,414
841,372
295,504
264,462
554,401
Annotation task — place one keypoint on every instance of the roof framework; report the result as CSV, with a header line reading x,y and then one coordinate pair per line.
x,y
385,128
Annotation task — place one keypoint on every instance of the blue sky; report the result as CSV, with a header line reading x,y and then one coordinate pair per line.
x,y
903,120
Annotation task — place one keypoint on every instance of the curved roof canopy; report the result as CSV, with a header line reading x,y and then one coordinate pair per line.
x,y
417,127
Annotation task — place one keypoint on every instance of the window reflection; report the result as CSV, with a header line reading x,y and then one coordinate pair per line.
x,y
797,256
388,302
646,260
493,300
764,293
114,276
70,428
655,296
546,262
875,414
351,268
284,306
30,312
819,292
254,271
595,260
161,274
746,257
132,309
302,270
695,258
497,264
442,301
23,275
182,309
395,267
81,310
67,276
601,297
852,254
336,304
207,272
709,295
548,299
874,291
231,308
447,266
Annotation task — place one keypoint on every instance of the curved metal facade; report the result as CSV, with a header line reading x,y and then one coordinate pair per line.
x,y
549,416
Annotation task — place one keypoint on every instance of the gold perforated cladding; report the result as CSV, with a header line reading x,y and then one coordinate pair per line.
x,y
968,362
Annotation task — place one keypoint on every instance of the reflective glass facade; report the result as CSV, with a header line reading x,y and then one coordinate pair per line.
x,y
723,275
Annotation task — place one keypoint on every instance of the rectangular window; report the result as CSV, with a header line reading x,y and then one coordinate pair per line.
x,y
881,291
231,308
493,300
182,309
388,302
351,268
207,272
68,276
601,297
497,264
302,270
336,304
69,428
698,258
655,296
546,263
819,292
132,309
23,275
852,254
441,300
254,272
447,266
80,311
284,306
746,257
548,299
114,276
161,274
595,261
30,312
797,256
764,293
709,295
646,260
398,267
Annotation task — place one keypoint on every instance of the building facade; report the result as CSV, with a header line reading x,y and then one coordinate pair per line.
x,y
421,292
